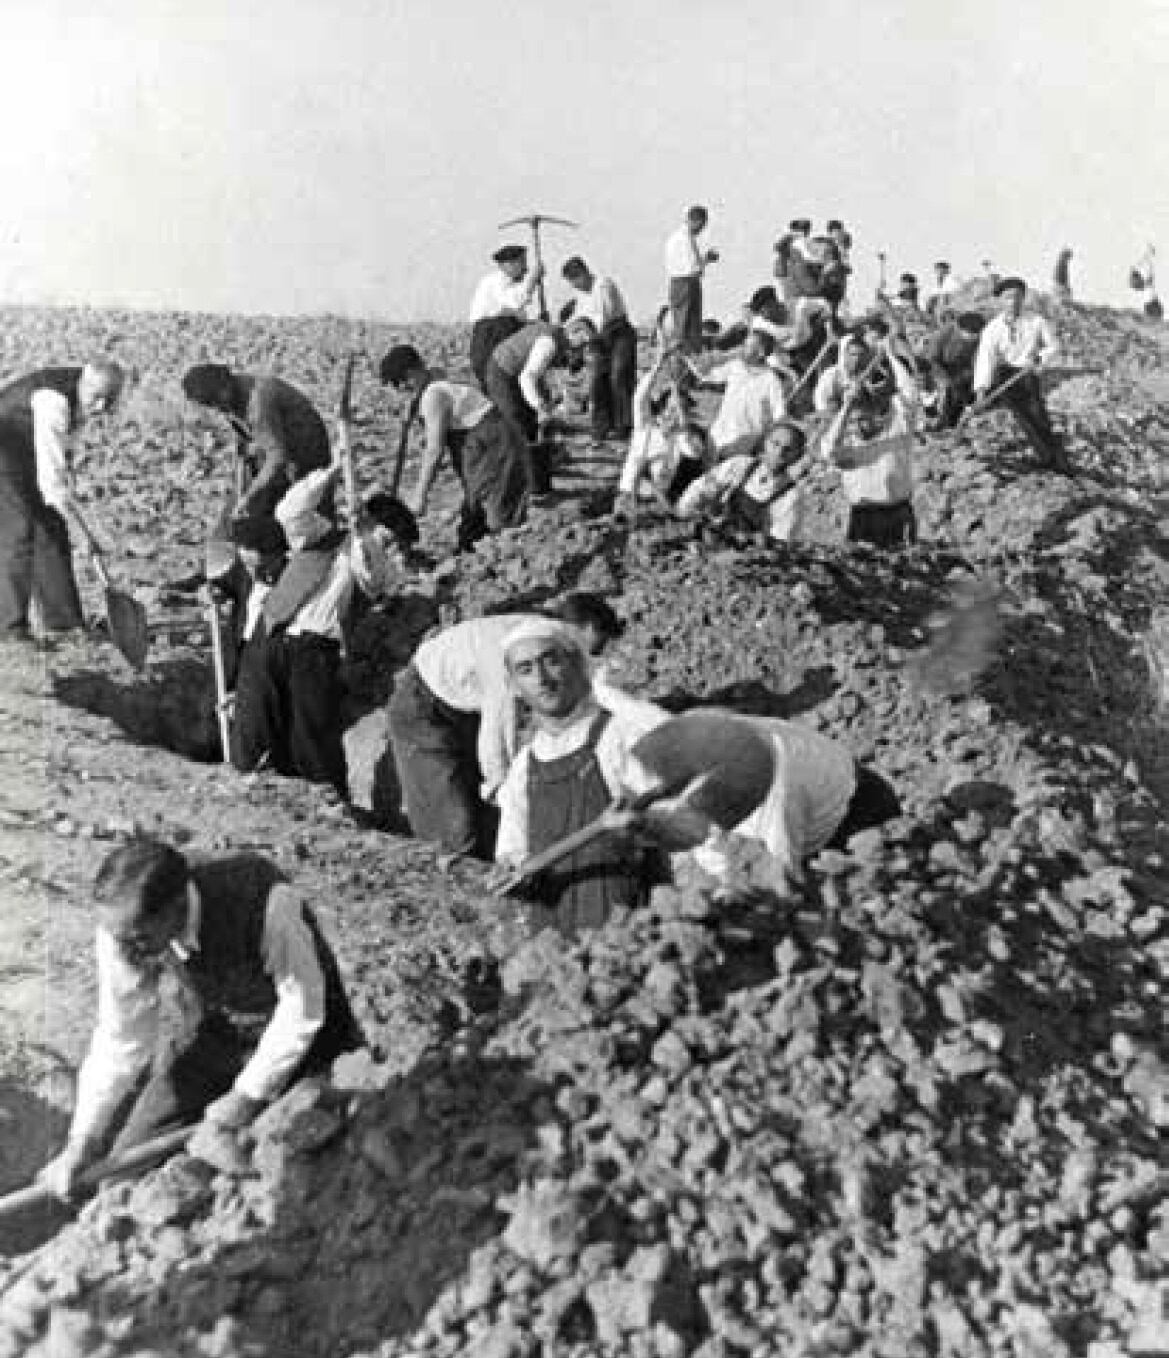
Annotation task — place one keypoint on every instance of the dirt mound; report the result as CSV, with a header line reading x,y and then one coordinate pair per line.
x,y
915,1109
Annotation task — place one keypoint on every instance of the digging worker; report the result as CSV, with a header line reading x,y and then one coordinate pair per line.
x,y
1013,347
686,262
950,354
280,436
502,303
289,691
486,452
515,381
240,941
612,357
668,447
576,764
40,416
776,782
754,399
756,494
452,722
877,407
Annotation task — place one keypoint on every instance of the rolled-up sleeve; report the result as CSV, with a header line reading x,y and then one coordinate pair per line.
x,y
291,959
122,1044
539,361
51,442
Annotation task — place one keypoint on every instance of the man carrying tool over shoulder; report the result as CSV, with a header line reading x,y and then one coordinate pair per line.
x,y
1012,349
502,302
240,941
40,415
280,435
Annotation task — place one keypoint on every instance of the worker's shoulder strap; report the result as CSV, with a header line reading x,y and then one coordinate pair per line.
x,y
597,729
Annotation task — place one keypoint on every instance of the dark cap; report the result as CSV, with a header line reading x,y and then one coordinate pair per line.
x,y
510,254
574,268
941,264
800,224
1006,284
399,363
835,225
208,384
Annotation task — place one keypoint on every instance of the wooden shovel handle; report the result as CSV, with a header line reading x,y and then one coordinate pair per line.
x,y
137,1157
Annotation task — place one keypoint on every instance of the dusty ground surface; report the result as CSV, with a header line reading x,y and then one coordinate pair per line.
x,y
915,1112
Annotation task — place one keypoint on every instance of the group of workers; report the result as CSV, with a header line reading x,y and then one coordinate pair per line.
x,y
507,736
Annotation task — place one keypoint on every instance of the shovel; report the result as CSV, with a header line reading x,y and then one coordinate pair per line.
x,y
981,407
127,618
137,1157
607,821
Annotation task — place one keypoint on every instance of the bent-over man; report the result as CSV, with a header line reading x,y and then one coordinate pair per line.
x,y
280,436
231,935
485,451
289,691
40,416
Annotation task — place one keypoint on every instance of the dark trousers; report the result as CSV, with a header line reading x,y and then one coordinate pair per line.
x,y
888,526
612,363
288,707
436,755
489,460
35,560
685,298
505,394
485,335
1025,402
873,803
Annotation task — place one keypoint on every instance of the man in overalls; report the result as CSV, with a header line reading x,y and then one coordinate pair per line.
x,y
577,763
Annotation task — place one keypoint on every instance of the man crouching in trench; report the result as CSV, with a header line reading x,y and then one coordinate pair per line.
x,y
248,958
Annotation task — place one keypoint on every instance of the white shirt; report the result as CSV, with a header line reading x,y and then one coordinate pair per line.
x,y
883,474
53,445
785,508
753,403
128,1006
653,454
811,786
455,405
630,719
939,295
497,295
463,666
683,254
1029,339
365,562
602,304
540,359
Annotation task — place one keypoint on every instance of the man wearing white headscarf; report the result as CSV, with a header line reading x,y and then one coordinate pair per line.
x,y
576,765
453,722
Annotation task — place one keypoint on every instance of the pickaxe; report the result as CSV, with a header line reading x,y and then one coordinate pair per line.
x,y
534,219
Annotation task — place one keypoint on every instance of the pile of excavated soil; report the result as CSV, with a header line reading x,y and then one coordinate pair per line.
x,y
914,1109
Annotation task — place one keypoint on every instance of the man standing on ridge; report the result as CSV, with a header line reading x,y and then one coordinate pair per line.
x,y
686,262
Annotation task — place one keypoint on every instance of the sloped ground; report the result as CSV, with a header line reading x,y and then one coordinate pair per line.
x,y
914,1111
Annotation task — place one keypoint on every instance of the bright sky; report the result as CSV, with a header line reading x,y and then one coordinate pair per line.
x,y
356,156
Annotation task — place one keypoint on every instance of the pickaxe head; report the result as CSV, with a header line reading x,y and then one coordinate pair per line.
x,y
537,219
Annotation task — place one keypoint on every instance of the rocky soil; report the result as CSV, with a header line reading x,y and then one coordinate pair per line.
x,y
916,1110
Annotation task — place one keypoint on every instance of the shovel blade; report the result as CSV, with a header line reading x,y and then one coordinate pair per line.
x,y
128,628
